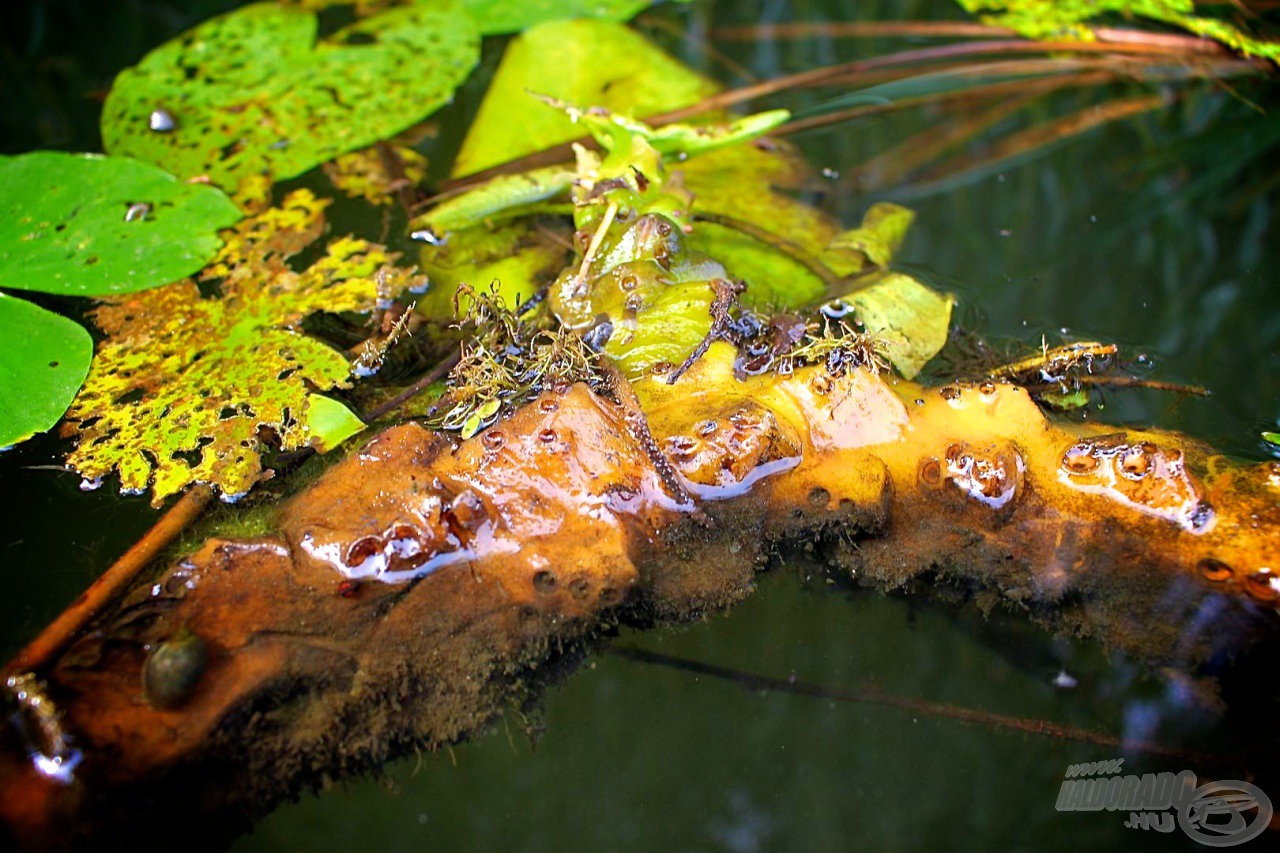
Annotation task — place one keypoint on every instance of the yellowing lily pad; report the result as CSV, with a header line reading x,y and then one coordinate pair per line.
x,y
874,242
84,224
757,185
253,91
368,174
909,318
184,386
584,61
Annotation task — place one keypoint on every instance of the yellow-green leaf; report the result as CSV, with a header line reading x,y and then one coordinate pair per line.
x,y
330,423
909,317
875,241
757,184
184,385
584,61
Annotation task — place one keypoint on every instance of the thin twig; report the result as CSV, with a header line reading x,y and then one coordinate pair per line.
x,y
873,696
638,426
61,631
1139,382
792,250
406,192
434,375
857,29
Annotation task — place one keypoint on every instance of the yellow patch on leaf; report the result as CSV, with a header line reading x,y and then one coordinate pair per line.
x,y
367,173
184,387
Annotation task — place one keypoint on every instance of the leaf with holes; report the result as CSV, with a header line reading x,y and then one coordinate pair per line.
x,y
83,224
253,91
185,387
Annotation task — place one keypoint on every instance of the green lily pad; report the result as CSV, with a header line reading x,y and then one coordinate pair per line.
x,y
584,61
909,317
83,224
43,360
495,17
252,92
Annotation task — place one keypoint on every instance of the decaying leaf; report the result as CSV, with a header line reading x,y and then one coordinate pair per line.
x,y
874,242
584,61
909,318
365,173
84,224
184,386
253,91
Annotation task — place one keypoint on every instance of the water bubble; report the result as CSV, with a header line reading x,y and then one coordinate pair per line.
x,y
836,309
162,121
1215,570
1079,459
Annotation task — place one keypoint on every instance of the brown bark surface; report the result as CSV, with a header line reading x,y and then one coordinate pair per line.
x,y
422,585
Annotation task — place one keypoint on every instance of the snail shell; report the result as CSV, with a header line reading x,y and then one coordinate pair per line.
x,y
173,668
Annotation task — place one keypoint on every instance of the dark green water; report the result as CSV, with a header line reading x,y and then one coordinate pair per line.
x,y
1156,232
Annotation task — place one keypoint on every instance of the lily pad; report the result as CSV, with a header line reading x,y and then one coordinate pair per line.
x,y
516,255
184,386
909,317
495,17
253,92
756,186
583,61
43,361
84,224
